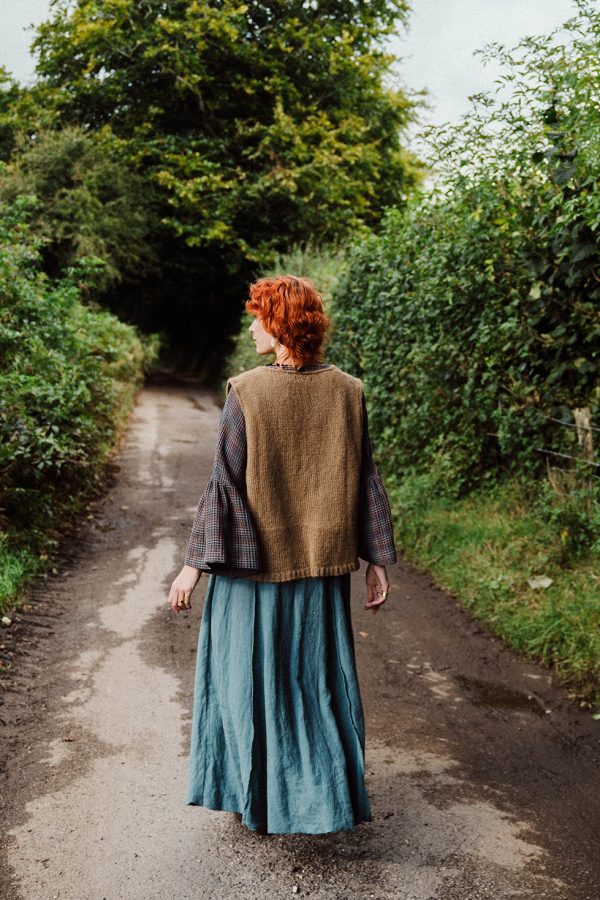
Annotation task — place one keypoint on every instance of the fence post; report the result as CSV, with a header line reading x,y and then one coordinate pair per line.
x,y
583,421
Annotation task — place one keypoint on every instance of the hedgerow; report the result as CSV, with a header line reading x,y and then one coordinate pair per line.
x,y
473,316
68,376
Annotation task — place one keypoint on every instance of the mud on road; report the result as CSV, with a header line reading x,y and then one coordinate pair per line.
x,y
484,777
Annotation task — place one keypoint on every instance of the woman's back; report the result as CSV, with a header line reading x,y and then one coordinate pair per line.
x,y
304,431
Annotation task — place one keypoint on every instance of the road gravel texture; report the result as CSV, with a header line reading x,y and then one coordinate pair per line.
x,y
483,773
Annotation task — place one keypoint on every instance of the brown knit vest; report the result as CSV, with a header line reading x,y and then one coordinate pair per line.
x,y
304,438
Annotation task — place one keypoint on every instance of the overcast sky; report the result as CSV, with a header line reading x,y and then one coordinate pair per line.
x,y
437,51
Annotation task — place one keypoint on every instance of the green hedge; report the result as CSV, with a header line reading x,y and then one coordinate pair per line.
x,y
473,315
68,377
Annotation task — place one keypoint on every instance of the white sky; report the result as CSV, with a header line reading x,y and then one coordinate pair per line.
x,y
437,52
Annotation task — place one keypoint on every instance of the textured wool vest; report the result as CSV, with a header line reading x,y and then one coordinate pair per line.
x,y
304,444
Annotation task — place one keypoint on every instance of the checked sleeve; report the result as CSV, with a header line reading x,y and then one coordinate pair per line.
x,y
223,537
375,527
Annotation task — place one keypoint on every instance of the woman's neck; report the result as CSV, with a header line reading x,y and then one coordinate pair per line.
x,y
287,361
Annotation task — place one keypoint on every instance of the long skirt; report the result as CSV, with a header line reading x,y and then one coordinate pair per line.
x,y
278,730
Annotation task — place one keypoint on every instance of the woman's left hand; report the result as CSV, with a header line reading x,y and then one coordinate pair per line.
x,y
378,586
182,587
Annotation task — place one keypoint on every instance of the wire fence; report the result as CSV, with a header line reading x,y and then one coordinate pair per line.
x,y
584,429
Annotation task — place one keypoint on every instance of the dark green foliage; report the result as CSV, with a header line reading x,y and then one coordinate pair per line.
x,y
9,95
89,202
475,314
68,374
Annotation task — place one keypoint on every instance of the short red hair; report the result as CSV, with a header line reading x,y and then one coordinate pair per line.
x,y
292,311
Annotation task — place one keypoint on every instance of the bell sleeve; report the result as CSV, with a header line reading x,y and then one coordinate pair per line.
x,y
223,538
375,526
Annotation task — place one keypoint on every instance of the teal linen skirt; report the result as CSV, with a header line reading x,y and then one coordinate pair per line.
x,y
278,730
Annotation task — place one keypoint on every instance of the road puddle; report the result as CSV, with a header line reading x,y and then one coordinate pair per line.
x,y
499,696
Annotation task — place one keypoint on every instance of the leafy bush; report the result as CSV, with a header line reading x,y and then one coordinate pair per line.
x,y
68,375
574,515
90,202
473,316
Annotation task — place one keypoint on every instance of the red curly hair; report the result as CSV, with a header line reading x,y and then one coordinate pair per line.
x,y
291,309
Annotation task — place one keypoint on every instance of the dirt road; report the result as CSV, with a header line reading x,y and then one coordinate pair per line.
x,y
484,777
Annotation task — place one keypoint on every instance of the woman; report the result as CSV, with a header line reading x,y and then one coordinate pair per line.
x,y
294,499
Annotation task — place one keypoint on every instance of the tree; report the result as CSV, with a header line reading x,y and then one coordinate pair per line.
x,y
9,94
262,125
88,202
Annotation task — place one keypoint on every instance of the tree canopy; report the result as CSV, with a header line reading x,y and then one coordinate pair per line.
x,y
256,126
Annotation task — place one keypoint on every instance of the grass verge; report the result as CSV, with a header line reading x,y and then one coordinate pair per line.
x,y
486,547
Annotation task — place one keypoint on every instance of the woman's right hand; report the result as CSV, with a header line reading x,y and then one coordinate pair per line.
x,y
182,587
377,586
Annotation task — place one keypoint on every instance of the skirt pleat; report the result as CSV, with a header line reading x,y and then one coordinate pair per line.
x,y
278,730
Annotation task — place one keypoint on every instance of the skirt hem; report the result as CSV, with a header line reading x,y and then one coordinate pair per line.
x,y
307,829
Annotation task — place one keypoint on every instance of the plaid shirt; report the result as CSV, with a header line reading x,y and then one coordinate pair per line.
x,y
224,539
